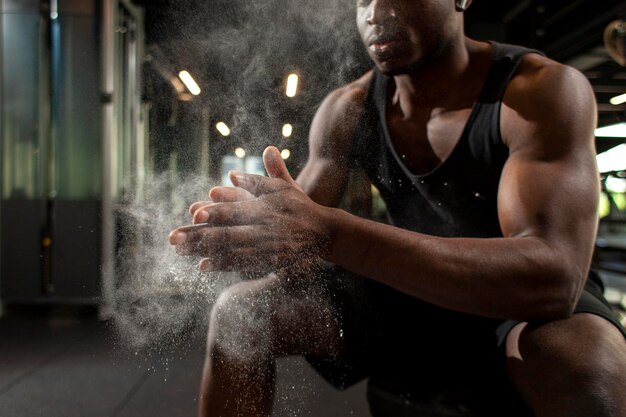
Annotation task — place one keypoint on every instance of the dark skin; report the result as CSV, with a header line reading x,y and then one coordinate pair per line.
x,y
535,272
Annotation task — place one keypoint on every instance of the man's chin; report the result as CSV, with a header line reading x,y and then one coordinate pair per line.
x,y
404,68
393,70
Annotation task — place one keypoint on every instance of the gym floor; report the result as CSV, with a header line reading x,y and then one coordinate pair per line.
x,y
72,366
67,363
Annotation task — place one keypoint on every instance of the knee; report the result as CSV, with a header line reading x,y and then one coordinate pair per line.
x,y
240,325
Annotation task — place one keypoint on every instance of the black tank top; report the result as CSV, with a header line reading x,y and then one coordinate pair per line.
x,y
459,197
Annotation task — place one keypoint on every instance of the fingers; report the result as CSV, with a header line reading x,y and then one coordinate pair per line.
x,y
195,206
236,248
223,248
201,215
202,239
200,210
257,185
275,165
226,214
229,194
248,186
231,214
205,241
222,195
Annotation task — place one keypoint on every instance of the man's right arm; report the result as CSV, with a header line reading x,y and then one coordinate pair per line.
x,y
330,142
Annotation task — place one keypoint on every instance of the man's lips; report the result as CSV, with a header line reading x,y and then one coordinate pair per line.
x,y
383,43
381,46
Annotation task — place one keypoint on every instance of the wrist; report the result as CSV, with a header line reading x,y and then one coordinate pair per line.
x,y
331,220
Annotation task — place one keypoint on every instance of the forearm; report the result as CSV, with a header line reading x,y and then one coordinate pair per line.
x,y
515,278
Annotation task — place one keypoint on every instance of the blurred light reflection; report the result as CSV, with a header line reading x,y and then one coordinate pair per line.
x,y
287,130
223,129
189,82
292,85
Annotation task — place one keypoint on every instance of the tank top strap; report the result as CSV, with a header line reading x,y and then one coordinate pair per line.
x,y
504,62
485,140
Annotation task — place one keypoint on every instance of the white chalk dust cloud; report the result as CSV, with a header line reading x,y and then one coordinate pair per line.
x,y
246,46
162,302
161,298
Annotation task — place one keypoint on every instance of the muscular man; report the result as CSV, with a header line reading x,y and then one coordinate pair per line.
x,y
484,156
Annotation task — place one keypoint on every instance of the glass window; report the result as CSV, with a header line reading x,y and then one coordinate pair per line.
x,y
76,118
22,135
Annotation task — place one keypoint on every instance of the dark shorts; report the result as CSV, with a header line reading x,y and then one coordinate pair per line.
x,y
591,301
406,345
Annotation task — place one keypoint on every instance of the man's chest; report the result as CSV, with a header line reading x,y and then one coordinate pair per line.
x,y
423,142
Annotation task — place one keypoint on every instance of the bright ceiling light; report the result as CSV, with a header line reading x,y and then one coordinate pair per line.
x,y
612,160
287,130
285,153
292,85
613,131
190,83
222,128
240,152
617,100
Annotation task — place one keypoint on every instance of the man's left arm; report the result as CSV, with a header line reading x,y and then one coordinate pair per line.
x,y
550,185
547,207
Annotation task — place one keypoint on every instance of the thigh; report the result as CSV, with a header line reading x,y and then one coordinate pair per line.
x,y
570,367
594,323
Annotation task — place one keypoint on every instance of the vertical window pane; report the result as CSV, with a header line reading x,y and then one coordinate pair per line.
x,y
75,87
21,133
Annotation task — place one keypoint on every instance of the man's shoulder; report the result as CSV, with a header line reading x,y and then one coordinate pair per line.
x,y
547,96
361,84
350,96
339,113
540,77
336,120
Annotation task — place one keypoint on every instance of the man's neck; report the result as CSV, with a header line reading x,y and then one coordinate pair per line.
x,y
438,83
